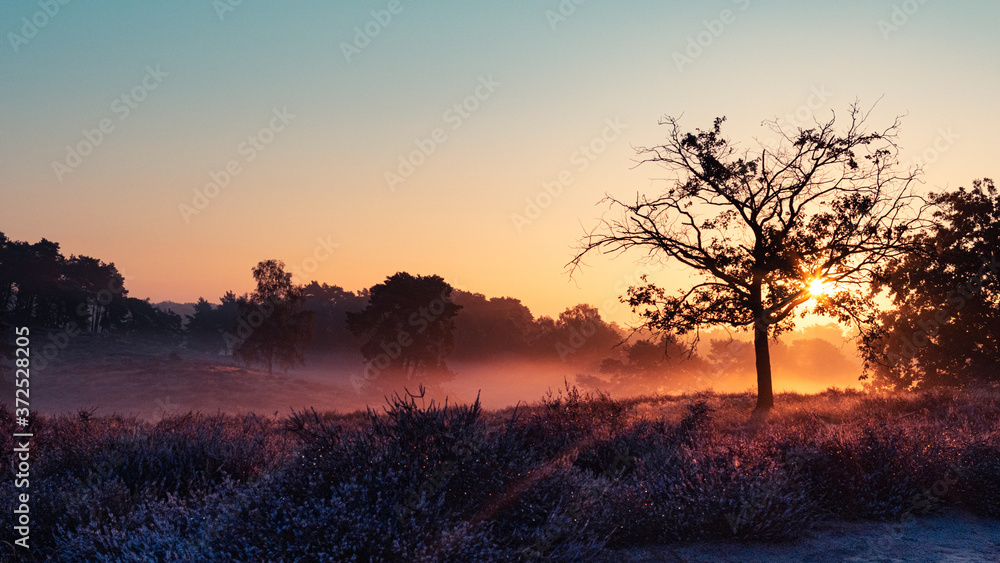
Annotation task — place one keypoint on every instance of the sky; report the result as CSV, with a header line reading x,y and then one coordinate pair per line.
x,y
187,141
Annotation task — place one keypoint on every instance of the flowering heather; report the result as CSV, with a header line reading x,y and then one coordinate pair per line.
x,y
564,479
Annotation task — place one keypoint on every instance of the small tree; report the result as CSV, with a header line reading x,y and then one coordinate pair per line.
x,y
272,326
766,229
945,328
409,330
583,336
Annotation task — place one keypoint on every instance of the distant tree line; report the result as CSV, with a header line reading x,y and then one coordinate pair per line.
x,y
407,326
943,327
40,287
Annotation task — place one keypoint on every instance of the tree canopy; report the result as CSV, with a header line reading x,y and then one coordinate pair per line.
x,y
409,329
272,324
40,287
766,229
944,328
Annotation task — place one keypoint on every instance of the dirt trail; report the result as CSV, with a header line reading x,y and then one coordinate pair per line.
x,y
951,537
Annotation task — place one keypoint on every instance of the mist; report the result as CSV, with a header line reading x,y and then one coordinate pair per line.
x,y
107,377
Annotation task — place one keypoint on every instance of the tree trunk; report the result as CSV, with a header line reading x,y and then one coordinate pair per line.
x,y
765,396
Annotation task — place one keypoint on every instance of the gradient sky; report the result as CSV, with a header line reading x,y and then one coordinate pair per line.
x,y
557,84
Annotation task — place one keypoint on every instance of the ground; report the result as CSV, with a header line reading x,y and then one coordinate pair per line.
x,y
150,381
951,537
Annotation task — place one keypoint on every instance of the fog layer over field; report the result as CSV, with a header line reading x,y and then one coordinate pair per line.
x,y
149,380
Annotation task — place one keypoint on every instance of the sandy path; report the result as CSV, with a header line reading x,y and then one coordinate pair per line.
x,y
952,537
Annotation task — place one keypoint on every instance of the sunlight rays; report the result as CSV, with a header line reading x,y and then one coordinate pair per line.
x,y
818,287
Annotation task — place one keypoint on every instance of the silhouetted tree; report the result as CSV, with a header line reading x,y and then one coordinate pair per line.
x,y
140,317
40,287
761,226
209,324
945,329
273,325
34,277
8,278
95,292
581,335
330,305
409,330
491,328
649,365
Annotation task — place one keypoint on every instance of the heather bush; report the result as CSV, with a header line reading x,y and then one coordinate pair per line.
x,y
568,417
169,529
410,451
549,520
864,474
560,480
93,473
685,481
397,486
979,476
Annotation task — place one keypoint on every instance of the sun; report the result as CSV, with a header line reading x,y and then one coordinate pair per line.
x,y
819,287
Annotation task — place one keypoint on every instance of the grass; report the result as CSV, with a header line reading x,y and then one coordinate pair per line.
x,y
562,479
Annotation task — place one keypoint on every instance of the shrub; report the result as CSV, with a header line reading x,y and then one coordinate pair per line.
x,y
979,476
867,474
